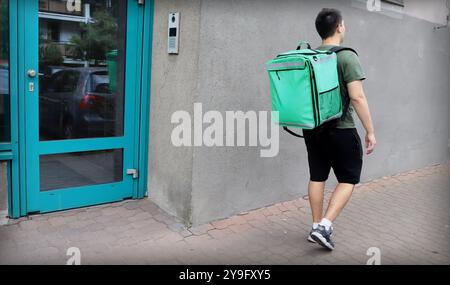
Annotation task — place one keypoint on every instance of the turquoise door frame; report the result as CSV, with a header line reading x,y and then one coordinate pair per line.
x,y
144,105
25,196
9,152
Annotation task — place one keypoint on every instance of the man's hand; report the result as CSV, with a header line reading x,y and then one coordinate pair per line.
x,y
371,142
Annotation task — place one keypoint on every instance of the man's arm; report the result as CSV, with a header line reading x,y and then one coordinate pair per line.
x,y
359,101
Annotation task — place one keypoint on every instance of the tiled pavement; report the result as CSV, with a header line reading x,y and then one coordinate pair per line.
x,y
405,216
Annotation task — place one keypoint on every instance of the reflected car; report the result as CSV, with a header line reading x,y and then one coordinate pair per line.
x,y
4,80
4,103
78,103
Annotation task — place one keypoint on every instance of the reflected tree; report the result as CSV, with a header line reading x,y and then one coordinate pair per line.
x,y
50,54
4,30
96,39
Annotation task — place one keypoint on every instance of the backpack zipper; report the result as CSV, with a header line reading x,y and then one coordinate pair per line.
x,y
314,99
332,89
316,95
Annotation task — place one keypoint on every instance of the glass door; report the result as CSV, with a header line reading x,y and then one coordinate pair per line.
x,y
5,131
80,94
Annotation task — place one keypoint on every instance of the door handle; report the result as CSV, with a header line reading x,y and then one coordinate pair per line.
x,y
140,2
31,73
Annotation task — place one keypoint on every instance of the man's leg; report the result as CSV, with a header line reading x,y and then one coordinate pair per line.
x,y
339,199
347,164
322,234
316,193
319,168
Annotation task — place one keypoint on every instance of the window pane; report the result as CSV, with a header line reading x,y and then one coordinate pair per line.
x,y
68,170
82,68
73,7
396,2
5,126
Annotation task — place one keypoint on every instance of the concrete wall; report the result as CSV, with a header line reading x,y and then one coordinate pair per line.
x,y
433,11
222,66
174,87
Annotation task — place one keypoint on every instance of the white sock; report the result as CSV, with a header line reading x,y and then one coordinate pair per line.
x,y
326,223
315,226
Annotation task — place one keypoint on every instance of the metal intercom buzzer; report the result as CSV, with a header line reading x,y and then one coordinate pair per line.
x,y
173,33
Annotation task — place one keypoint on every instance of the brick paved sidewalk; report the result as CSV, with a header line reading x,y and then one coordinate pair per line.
x,y
405,216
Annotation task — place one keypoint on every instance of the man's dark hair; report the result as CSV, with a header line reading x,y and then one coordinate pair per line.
x,y
327,22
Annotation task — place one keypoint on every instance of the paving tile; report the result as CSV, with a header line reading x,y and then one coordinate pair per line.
x,y
201,229
220,233
222,224
405,216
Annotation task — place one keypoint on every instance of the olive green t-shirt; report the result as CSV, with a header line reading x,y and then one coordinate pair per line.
x,y
349,68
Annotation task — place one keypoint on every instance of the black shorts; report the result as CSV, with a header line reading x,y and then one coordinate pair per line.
x,y
340,149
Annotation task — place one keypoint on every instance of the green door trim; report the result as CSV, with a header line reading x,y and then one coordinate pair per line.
x,y
143,24
14,192
144,122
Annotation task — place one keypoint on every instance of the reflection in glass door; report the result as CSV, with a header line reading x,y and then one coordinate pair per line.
x,y
5,132
81,64
80,87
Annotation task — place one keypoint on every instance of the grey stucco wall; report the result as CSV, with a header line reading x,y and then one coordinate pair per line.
x,y
174,83
407,64
431,10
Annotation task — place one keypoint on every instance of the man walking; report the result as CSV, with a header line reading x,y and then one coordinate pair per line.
x,y
337,146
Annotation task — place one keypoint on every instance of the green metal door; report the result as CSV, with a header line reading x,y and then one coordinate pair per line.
x,y
80,88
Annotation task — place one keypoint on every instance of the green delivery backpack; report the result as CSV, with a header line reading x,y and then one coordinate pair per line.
x,y
305,88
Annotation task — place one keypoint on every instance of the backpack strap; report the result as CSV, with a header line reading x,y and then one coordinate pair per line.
x,y
299,47
292,133
338,49
344,93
